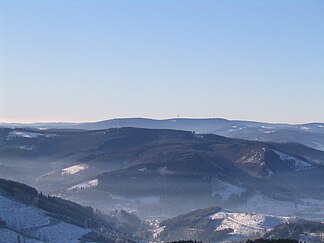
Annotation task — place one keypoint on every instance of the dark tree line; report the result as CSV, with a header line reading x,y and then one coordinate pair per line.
x,y
273,241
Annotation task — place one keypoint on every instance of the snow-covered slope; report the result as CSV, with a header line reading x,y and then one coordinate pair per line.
x,y
298,164
35,224
29,216
85,185
219,225
246,224
74,169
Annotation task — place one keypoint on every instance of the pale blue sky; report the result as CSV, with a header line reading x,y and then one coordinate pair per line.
x,y
94,60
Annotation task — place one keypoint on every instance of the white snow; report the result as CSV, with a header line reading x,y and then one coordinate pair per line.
x,y
85,185
253,157
198,135
142,169
62,232
34,222
305,128
267,132
73,169
21,216
24,134
25,147
226,190
235,128
267,127
163,170
7,236
158,231
299,164
246,224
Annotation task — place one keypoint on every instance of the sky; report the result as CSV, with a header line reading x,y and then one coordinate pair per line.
x,y
94,60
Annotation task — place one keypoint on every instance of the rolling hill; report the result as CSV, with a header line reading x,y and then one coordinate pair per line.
x,y
153,171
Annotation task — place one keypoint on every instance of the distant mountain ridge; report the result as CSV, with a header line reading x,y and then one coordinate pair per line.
x,y
310,134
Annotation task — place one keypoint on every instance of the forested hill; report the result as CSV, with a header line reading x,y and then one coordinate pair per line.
x,y
44,215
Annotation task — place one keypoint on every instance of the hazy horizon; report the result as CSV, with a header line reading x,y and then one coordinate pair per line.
x,y
96,60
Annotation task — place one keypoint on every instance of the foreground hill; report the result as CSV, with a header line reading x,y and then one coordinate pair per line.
x,y
310,134
219,225
27,215
162,173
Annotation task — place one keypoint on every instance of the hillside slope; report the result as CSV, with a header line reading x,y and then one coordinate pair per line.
x,y
27,215
216,224
153,170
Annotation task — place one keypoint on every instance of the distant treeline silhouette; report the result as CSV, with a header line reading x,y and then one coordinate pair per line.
x,y
273,241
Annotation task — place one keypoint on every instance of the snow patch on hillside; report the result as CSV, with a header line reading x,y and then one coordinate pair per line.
x,y
62,232
235,128
253,157
246,224
73,169
267,127
7,235
25,134
305,128
226,190
25,147
158,231
34,222
299,164
21,216
164,171
142,169
267,132
85,185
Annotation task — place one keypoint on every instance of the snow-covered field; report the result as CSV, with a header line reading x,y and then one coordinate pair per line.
x,y
25,147
299,164
73,169
24,134
84,185
253,157
226,190
21,216
246,224
35,223
8,236
62,232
